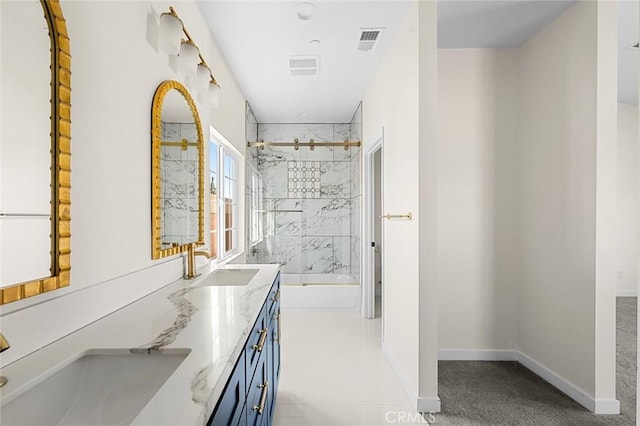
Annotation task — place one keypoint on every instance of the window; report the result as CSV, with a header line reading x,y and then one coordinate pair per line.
x,y
213,197
255,207
223,197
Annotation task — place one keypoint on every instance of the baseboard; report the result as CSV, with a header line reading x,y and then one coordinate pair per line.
x,y
627,293
607,406
411,393
597,406
477,355
429,405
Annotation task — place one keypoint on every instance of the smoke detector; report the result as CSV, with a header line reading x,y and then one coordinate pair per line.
x,y
304,65
368,39
306,11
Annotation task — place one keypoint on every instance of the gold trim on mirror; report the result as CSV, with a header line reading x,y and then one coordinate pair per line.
x,y
60,162
157,252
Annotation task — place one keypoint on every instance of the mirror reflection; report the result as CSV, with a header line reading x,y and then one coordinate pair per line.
x,y
25,143
179,168
179,171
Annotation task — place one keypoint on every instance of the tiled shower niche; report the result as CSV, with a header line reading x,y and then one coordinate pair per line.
x,y
311,199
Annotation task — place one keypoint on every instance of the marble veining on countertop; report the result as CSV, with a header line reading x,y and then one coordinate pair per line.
x,y
211,321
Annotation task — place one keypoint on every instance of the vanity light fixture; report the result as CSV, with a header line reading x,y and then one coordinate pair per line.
x,y
214,94
169,33
202,77
174,39
188,58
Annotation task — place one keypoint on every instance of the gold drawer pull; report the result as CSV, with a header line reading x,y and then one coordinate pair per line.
x,y
263,337
263,398
277,296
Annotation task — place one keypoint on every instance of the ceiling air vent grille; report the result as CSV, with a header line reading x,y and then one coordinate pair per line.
x,y
369,38
304,65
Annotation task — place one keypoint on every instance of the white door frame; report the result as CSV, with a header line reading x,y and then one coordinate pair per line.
x,y
368,228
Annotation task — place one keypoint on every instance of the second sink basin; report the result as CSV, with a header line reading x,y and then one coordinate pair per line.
x,y
224,277
101,387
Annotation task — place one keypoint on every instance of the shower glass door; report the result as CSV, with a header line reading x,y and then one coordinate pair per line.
x,y
277,210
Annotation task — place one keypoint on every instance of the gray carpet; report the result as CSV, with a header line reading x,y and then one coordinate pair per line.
x,y
506,393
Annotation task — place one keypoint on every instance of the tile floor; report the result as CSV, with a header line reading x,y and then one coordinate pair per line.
x,y
334,373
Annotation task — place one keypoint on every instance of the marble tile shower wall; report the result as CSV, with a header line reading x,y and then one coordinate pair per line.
x,y
356,194
316,189
179,177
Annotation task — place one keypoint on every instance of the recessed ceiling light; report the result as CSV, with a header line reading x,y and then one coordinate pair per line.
x,y
306,11
314,43
303,114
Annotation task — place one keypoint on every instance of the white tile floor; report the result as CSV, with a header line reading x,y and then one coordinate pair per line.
x,y
334,373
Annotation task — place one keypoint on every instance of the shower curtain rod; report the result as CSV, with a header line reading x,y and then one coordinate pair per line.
x,y
296,144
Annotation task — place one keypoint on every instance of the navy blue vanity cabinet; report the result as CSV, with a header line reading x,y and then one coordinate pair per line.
x,y
273,343
256,344
230,407
273,301
260,395
249,396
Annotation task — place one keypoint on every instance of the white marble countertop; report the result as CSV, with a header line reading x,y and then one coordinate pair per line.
x,y
213,322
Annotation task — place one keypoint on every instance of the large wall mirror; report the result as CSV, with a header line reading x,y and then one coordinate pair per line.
x,y
177,171
35,156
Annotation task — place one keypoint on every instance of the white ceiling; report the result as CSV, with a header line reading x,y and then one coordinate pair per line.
x,y
258,37
486,24
480,23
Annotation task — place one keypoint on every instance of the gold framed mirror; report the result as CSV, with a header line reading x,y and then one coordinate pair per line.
x,y
177,172
35,238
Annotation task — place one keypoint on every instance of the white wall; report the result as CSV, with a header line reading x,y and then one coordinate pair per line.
x,y
394,107
477,297
115,71
564,166
628,214
428,207
400,104
526,195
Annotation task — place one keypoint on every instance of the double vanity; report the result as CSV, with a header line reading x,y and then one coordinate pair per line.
x,y
196,352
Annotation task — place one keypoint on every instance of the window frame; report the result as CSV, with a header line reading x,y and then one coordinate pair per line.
x,y
224,147
256,194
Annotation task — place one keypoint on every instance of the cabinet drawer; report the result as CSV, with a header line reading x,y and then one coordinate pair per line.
x,y
273,300
256,344
229,410
259,395
273,360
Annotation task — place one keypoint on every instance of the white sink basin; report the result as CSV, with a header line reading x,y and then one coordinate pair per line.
x,y
224,277
101,387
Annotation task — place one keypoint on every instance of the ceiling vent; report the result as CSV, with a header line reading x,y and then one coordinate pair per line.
x,y
369,38
304,65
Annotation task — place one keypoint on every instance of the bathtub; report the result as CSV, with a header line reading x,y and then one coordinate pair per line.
x,y
320,291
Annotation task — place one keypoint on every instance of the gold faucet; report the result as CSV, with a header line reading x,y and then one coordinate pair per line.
x,y
191,260
4,345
